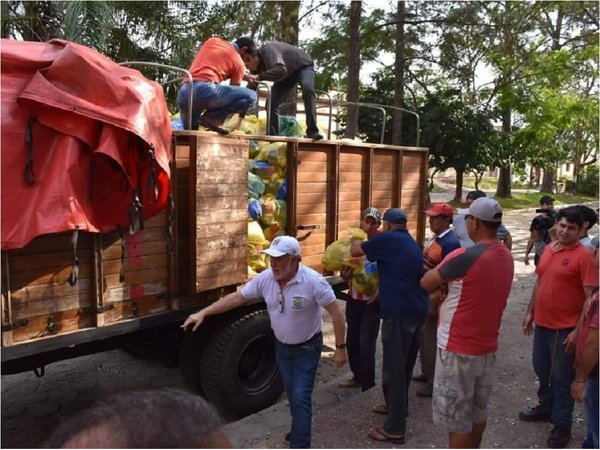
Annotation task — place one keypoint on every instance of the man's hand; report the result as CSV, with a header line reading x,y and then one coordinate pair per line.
x,y
340,357
252,80
577,389
526,260
195,319
346,272
570,342
374,297
528,324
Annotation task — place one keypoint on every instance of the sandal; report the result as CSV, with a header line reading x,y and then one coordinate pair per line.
x,y
380,435
380,409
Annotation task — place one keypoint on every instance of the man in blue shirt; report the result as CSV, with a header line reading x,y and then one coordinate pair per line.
x,y
403,307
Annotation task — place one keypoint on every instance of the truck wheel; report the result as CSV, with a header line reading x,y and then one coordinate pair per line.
x,y
238,366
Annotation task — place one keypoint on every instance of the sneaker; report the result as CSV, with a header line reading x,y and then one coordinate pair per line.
x,y
427,391
420,378
536,414
286,439
349,383
315,136
559,436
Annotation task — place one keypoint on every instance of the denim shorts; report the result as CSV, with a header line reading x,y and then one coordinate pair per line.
x,y
461,389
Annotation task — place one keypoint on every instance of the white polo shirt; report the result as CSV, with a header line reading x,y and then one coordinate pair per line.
x,y
303,296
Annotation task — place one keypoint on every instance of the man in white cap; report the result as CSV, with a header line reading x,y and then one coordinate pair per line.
x,y
479,280
294,295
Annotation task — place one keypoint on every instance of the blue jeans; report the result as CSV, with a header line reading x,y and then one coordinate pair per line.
x,y
361,338
555,370
298,366
218,100
281,89
400,338
590,408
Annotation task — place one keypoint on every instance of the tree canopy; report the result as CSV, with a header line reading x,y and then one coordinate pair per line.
x,y
529,70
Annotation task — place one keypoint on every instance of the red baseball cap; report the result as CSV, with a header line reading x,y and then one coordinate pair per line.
x,y
440,209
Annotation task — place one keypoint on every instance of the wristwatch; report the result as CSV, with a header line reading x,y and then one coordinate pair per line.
x,y
340,346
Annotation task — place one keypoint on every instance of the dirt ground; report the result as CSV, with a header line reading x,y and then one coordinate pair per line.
x,y
32,407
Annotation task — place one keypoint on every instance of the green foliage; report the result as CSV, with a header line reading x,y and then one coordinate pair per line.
x,y
87,22
588,184
532,200
542,71
458,135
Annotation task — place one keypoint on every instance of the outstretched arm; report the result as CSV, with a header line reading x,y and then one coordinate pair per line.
x,y
230,301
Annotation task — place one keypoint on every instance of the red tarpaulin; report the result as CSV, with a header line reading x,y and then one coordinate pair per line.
x,y
82,138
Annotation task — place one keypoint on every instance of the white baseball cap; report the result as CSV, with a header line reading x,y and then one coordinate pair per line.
x,y
486,209
283,245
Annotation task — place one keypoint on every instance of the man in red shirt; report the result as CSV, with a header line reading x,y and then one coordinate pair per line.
x,y
217,61
479,280
586,364
566,276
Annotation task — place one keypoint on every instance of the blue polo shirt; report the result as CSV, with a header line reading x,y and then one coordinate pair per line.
x,y
400,267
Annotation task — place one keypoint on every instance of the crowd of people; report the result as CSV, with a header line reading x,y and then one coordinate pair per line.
x,y
445,302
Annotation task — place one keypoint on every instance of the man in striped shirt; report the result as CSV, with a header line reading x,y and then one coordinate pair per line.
x,y
362,318
441,245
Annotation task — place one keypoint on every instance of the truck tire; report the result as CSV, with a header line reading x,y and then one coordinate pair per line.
x,y
239,371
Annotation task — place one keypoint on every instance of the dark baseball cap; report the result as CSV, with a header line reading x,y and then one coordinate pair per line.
x,y
475,195
546,199
395,215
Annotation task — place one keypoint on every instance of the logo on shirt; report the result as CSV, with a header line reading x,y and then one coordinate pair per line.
x,y
297,303
565,262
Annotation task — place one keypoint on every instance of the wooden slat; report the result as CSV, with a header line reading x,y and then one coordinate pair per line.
x,y
219,234
139,307
50,291
64,322
126,292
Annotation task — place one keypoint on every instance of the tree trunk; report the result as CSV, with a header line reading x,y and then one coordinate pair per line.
x,y
4,13
399,66
289,33
459,186
353,68
504,181
548,181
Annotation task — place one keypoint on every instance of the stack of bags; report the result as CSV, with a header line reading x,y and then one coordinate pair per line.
x,y
267,189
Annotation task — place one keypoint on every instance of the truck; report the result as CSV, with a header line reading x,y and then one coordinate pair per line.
x,y
77,291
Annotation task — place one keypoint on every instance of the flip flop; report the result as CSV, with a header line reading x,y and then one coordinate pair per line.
x,y
380,409
380,435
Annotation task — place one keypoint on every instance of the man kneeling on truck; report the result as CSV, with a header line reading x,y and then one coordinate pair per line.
x,y
294,295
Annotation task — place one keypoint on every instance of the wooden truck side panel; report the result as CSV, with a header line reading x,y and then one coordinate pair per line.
x,y
195,251
333,184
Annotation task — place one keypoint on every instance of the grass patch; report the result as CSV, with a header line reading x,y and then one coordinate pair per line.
x,y
484,184
532,200
437,189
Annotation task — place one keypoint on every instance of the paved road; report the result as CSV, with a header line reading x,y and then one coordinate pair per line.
x,y
32,407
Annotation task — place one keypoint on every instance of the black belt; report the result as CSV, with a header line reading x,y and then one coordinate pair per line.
x,y
302,343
